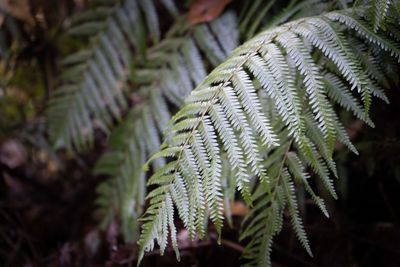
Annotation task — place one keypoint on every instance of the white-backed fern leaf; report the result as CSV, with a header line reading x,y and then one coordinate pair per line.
x,y
286,64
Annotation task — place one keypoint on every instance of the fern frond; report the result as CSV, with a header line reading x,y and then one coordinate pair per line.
x,y
93,92
287,64
297,223
380,10
297,170
178,58
266,223
125,194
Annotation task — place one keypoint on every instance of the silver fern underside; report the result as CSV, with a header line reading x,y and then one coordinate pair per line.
x,y
270,108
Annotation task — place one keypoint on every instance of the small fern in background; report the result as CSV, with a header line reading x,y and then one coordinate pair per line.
x,y
94,86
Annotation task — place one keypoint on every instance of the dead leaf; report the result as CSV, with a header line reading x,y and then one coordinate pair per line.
x,y
19,9
206,10
238,208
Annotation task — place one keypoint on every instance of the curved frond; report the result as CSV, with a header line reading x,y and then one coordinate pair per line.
x,y
285,67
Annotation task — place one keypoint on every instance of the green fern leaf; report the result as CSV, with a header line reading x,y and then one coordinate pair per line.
x,y
92,95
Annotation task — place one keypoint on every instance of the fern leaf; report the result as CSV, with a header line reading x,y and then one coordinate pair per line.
x,y
226,109
150,116
296,169
98,79
380,10
294,211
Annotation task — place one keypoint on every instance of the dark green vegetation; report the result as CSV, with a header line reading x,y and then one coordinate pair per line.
x,y
106,102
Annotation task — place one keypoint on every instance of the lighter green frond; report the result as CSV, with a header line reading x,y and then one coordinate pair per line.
x,y
380,10
101,75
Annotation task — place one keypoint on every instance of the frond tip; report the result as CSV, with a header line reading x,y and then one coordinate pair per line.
x,y
225,114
